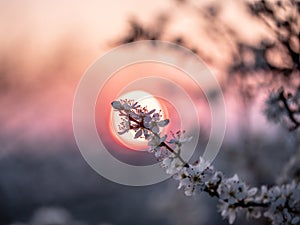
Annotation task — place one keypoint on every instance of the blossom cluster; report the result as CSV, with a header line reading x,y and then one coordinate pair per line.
x,y
145,123
281,204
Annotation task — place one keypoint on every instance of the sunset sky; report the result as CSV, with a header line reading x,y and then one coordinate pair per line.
x,y
46,46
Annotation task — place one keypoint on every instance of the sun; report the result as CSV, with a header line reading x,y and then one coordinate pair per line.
x,y
144,99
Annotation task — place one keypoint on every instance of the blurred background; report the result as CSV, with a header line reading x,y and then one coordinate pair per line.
x,y
46,46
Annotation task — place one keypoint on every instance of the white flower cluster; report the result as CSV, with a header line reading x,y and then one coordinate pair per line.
x,y
281,204
145,123
284,203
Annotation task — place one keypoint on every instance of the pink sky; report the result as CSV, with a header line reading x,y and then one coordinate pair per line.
x,y
46,46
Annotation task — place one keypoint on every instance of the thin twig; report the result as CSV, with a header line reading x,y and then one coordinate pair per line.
x,y
290,113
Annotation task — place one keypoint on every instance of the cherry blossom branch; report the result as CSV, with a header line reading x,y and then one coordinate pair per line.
x,y
162,144
185,164
281,204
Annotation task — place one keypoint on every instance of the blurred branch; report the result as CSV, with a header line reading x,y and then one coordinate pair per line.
x,y
290,112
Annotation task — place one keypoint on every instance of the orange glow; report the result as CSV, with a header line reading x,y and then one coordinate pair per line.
x,y
131,79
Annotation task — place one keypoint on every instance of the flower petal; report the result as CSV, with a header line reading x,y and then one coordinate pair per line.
x,y
138,134
155,129
117,105
252,191
163,123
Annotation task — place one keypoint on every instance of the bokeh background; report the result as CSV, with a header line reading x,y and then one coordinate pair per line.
x,y
45,48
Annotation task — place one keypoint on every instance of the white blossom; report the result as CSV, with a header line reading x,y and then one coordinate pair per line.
x,y
155,143
179,139
228,212
232,190
155,123
193,178
171,164
263,196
